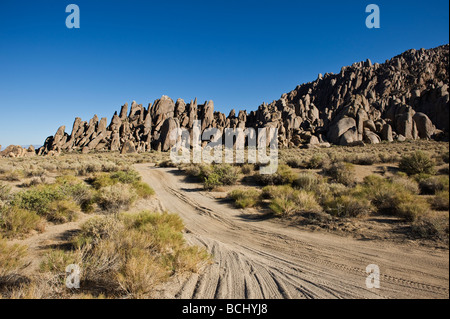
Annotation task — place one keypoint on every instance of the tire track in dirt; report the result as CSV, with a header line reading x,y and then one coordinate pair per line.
x,y
264,259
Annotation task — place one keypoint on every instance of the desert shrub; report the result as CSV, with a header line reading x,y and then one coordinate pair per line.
x,y
114,198
445,157
32,182
96,229
13,176
341,173
386,157
126,177
417,163
11,259
81,193
102,180
143,190
192,170
307,181
219,175
283,176
131,254
35,172
5,191
407,183
431,226
39,199
432,185
247,169
110,167
244,198
368,159
393,199
441,201
289,202
15,221
167,163
62,211
139,275
318,161
347,206
411,207
212,181
294,162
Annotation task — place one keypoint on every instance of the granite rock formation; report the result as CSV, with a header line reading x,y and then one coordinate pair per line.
x,y
405,98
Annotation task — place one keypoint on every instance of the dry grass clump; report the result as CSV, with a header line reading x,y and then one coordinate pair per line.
x,y
11,260
15,221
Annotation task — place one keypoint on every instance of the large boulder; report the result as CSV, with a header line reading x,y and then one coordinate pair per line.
x,y
340,128
166,139
424,125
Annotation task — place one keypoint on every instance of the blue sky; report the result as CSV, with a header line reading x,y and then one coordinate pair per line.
x,y
237,53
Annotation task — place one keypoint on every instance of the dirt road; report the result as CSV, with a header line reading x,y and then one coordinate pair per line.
x,y
256,258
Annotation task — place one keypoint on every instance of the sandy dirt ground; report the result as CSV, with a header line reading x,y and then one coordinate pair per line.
x,y
261,258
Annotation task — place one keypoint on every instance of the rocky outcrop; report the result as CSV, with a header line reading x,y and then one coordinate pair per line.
x,y
17,151
405,98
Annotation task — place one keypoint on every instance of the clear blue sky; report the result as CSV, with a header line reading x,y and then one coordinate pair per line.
x,y
237,53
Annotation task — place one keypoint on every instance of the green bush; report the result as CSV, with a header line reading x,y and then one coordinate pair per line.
x,y
417,163
39,198
212,181
244,198
126,177
103,180
143,190
218,175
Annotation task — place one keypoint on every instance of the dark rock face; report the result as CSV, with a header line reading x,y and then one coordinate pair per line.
x,y
405,98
